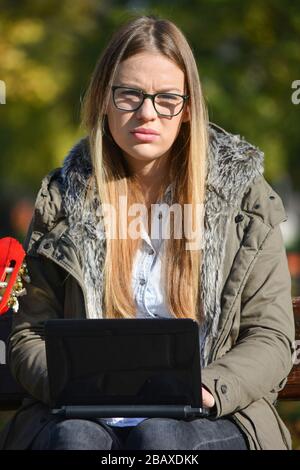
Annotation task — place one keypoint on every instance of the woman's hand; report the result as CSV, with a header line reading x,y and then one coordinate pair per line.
x,y
207,398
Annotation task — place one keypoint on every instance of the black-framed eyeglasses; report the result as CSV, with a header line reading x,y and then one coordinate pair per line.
x,y
131,99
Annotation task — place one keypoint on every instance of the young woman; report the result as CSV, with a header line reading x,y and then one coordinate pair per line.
x,y
150,142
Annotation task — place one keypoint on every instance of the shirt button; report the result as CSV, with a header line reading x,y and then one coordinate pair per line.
x,y
142,282
223,388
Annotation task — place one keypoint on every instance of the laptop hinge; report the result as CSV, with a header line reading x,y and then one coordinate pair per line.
x,y
109,411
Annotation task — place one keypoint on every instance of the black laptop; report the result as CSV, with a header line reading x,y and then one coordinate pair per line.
x,y
124,367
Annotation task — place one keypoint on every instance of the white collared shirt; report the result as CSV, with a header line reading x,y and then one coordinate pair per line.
x,y
147,284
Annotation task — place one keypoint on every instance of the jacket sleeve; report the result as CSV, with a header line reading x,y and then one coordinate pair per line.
x,y
44,300
26,346
261,359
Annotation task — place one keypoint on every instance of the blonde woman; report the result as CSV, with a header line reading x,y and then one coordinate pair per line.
x,y
149,142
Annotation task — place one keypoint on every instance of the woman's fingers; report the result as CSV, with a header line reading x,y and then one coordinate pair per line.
x,y
207,398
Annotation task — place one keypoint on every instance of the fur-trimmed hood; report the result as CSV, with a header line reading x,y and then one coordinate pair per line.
x,y
233,165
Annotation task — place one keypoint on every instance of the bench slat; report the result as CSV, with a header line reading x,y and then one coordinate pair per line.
x,y
292,389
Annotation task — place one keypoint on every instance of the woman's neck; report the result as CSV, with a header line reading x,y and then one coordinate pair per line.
x,y
152,177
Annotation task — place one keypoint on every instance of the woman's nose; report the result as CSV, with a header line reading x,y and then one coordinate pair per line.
x,y
147,110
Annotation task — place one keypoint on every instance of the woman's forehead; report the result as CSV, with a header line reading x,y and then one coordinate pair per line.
x,y
150,69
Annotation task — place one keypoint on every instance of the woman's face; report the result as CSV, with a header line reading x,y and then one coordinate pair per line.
x,y
151,73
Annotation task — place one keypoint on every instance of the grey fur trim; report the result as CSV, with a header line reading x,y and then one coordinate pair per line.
x,y
233,164
85,228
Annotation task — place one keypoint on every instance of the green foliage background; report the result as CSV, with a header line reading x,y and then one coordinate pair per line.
x,y
247,52
248,56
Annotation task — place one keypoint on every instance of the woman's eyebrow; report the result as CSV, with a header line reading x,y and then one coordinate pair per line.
x,y
138,87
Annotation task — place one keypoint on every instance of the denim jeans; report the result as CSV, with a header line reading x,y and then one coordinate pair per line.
x,y
152,433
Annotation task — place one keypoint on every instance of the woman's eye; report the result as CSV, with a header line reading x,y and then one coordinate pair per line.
x,y
168,97
131,93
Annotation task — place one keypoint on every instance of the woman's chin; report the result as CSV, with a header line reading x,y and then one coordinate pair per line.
x,y
143,156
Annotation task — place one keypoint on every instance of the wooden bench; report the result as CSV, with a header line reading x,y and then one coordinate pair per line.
x,y
291,390
11,394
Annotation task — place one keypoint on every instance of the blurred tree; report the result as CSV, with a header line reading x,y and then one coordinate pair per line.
x,y
248,57
47,53
247,52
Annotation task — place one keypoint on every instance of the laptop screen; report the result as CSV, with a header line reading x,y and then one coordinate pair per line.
x,y
123,362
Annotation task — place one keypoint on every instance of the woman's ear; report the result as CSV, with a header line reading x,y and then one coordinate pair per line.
x,y
186,114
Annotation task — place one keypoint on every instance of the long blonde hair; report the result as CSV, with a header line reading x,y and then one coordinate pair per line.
x,y
187,168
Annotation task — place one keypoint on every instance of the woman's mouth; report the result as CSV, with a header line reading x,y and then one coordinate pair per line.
x,y
144,134
145,137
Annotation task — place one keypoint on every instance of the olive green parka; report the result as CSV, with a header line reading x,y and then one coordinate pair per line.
x,y
245,284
